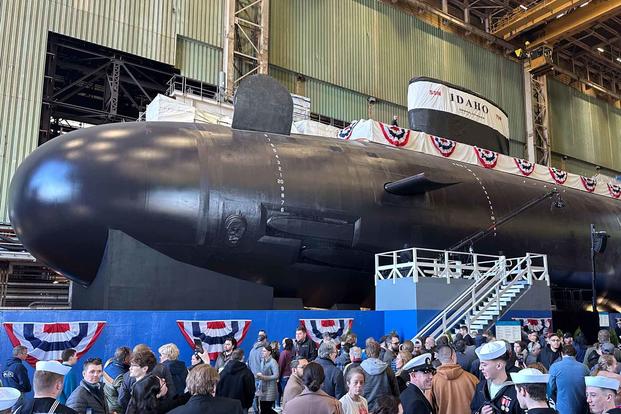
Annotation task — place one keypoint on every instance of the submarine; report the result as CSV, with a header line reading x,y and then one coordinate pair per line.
x,y
303,214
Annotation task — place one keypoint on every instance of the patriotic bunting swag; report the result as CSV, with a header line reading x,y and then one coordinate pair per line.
x,y
615,190
213,333
487,158
588,183
446,147
397,136
536,324
47,341
345,133
373,131
559,176
315,328
525,167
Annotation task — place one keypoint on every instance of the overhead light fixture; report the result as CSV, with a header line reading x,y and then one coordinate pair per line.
x,y
560,15
619,59
584,4
601,50
523,7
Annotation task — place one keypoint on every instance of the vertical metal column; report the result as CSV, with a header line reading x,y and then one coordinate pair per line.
x,y
543,145
246,42
531,153
112,103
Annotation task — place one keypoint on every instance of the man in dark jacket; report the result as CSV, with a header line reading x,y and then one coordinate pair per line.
x,y
552,352
421,375
495,394
230,345
15,374
378,376
90,393
304,346
334,384
201,383
237,381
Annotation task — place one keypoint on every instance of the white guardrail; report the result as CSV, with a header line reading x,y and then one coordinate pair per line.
x,y
416,262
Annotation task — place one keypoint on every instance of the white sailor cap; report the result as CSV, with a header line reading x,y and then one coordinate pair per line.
x,y
419,363
491,350
53,366
529,376
8,397
602,382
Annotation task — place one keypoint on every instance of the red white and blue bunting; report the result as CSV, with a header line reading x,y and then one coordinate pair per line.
x,y
47,341
588,183
369,130
212,334
397,136
445,147
559,176
346,132
487,158
316,328
539,325
615,190
525,167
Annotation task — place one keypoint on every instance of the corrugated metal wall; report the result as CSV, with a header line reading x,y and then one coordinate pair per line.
x,y
374,49
583,127
198,60
146,28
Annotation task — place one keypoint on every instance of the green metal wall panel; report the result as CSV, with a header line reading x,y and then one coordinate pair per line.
x,y
201,20
141,27
375,49
583,127
198,60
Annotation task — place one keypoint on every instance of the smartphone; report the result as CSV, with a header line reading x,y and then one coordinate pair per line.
x,y
198,346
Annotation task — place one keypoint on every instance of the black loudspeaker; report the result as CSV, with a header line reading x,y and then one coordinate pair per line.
x,y
588,322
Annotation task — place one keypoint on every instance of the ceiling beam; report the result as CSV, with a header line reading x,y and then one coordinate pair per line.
x,y
575,21
520,21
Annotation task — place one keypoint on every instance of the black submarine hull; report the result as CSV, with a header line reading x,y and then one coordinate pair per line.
x,y
303,214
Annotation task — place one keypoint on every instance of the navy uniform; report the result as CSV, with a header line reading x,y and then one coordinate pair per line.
x,y
8,398
46,404
604,383
412,398
531,376
505,401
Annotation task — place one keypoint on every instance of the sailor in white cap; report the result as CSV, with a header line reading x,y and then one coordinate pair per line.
x,y
8,398
496,393
421,375
48,384
601,392
531,385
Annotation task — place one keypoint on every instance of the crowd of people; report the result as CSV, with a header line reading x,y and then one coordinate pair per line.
x,y
469,374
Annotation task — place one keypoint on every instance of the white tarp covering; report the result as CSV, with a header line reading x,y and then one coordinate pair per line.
x,y
163,108
440,97
314,128
440,147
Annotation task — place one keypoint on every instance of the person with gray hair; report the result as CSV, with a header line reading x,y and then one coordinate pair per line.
x,y
334,384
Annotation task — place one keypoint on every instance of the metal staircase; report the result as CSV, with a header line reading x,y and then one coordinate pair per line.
x,y
497,282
